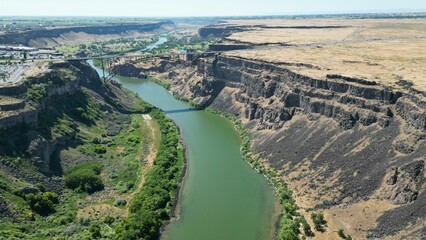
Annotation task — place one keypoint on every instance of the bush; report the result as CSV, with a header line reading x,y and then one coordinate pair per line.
x,y
42,203
341,233
36,93
85,176
319,222
307,228
40,187
109,220
4,185
99,149
95,231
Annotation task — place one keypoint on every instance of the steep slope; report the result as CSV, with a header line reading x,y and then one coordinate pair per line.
x,y
75,152
52,37
344,145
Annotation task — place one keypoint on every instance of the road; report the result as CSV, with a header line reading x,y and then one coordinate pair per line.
x,y
17,75
14,72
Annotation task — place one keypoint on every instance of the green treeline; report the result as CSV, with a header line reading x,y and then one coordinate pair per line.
x,y
152,206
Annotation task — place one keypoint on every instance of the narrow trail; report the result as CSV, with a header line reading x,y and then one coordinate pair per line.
x,y
147,166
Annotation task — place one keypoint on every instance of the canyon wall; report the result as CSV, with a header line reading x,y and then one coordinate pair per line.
x,y
61,81
26,37
339,142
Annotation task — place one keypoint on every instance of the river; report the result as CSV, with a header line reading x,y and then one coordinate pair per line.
x,y
222,197
160,41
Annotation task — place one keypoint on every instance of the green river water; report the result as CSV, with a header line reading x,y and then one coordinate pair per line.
x,y
222,196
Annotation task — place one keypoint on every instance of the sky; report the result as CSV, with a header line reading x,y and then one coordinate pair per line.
x,y
169,8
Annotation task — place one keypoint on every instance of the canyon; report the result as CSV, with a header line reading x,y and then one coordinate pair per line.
x,y
345,131
79,34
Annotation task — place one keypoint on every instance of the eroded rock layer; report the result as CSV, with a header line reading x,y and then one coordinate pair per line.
x,y
339,142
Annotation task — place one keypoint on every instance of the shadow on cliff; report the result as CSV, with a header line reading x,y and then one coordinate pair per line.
x,y
183,110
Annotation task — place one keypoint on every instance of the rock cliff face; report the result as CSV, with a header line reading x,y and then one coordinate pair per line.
x,y
26,112
338,141
25,38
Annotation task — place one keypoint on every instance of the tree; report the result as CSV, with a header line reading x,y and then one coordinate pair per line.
x,y
307,228
95,231
341,233
42,203
85,176
319,222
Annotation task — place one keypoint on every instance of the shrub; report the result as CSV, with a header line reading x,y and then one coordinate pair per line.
x,y
95,231
36,93
307,228
85,176
42,203
99,149
319,222
40,187
341,233
4,185
109,220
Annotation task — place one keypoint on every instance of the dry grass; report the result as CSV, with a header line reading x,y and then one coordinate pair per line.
x,y
321,22
381,50
292,36
385,62
5,100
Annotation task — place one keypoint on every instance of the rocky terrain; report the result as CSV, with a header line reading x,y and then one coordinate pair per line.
x,y
348,144
55,36
53,121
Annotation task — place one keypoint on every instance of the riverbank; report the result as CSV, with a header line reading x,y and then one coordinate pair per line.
x,y
289,220
152,206
175,211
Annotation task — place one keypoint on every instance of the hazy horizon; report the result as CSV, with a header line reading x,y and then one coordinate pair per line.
x,y
193,8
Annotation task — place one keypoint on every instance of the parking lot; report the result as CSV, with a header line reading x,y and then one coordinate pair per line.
x,y
12,73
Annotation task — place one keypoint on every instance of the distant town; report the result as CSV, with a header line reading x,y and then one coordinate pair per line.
x,y
14,60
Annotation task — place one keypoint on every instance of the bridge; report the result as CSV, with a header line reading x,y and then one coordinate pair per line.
x,y
106,59
146,55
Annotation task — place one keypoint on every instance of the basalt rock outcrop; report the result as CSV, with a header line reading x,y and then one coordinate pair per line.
x,y
344,140
62,80
26,37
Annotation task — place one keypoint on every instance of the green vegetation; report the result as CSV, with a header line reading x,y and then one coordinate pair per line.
x,y
62,117
342,234
95,231
42,203
306,228
193,43
36,92
128,45
165,84
320,223
102,142
152,206
114,46
84,177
